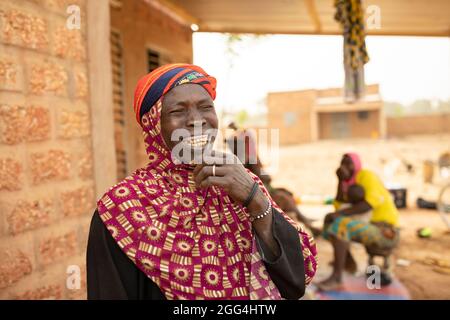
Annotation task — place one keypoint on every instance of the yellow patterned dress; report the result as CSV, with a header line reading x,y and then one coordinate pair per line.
x,y
382,229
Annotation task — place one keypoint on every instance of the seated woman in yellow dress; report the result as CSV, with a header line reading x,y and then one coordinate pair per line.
x,y
365,213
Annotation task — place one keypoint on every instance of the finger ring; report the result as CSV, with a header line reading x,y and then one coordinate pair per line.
x,y
214,170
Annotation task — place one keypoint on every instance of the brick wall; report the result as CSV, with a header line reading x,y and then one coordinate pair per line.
x,y
300,117
358,128
46,166
292,114
426,124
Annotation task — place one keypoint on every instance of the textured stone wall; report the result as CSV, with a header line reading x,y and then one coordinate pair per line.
x,y
46,162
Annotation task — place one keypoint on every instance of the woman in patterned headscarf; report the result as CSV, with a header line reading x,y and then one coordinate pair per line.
x,y
191,228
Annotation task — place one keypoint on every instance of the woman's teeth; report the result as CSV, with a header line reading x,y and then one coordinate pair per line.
x,y
197,141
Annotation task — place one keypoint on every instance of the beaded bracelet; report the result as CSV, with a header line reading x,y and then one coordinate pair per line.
x,y
262,215
251,195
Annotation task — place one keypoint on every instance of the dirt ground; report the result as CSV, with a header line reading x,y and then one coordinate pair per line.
x,y
423,278
309,171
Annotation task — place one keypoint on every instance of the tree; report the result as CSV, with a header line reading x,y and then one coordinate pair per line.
x,y
394,109
241,118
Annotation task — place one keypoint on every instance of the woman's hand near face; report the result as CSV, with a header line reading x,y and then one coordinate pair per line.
x,y
236,181
232,177
340,173
340,194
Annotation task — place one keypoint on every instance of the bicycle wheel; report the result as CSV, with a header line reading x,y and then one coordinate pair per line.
x,y
443,204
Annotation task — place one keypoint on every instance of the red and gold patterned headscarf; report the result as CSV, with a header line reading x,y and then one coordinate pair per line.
x,y
193,243
157,83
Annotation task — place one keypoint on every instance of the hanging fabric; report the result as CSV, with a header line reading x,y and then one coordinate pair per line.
x,y
350,15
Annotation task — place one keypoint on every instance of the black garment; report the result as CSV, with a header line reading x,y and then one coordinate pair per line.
x,y
112,275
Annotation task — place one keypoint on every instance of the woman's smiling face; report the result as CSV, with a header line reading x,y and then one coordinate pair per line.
x,y
190,108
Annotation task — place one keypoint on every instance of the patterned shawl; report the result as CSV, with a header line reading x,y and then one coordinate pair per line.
x,y
193,243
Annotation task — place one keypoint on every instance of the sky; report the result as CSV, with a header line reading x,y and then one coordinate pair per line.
x,y
406,68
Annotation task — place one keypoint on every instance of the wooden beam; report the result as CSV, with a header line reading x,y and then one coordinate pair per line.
x,y
313,15
265,30
174,11
115,4
381,32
